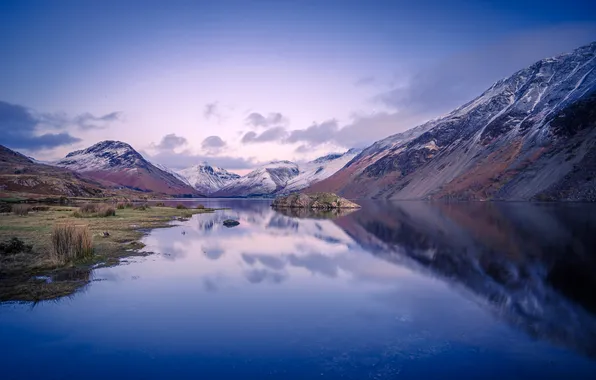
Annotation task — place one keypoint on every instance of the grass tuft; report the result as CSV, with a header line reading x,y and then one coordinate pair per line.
x,y
71,242
180,206
200,207
121,206
20,209
95,210
160,204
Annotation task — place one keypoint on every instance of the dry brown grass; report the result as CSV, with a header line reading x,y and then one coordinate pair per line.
x,y
20,209
121,206
95,210
71,242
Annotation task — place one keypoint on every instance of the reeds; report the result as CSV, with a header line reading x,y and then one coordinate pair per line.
x,y
71,242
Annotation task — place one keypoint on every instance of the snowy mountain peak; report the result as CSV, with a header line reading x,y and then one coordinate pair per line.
x,y
206,178
120,164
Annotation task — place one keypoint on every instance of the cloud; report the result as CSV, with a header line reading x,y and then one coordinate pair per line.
x,y
365,81
170,142
442,87
21,128
186,158
87,121
213,145
211,111
458,79
273,134
274,119
316,134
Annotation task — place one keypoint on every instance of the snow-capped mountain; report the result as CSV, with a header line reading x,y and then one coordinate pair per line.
x,y
319,169
118,163
529,136
265,180
172,172
283,177
207,179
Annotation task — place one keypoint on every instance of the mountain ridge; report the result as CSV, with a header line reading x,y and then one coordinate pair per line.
x,y
504,144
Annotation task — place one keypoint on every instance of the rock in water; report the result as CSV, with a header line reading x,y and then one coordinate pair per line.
x,y
314,200
230,223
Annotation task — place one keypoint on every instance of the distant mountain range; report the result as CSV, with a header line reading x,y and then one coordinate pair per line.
x,y
531,136
207,179
282,177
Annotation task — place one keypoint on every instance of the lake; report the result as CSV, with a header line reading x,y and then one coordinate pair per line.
x,y
404,290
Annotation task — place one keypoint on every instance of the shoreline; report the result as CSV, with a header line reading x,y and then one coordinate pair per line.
x,y
33,276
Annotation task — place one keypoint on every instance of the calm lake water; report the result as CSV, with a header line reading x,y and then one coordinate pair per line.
x,y
405,290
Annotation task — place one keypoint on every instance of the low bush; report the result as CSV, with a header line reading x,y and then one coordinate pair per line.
x,y
71,242
180,206
40,208
200,207
105,210
88,208
14,246
20,209
142,207
95,210
129,205
160,204
120,206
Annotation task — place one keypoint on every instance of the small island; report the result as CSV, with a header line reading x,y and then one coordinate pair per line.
x,y
325,201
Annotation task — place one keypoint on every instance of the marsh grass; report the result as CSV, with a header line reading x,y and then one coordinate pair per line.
x,y
20,209
91,210
71,242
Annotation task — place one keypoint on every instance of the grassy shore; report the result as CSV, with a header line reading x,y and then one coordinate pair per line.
x,y
34,274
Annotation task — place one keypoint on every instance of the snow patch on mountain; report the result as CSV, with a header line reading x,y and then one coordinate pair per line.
x,y
207,179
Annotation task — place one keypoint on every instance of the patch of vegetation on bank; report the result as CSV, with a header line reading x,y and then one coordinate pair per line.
x,y
44,254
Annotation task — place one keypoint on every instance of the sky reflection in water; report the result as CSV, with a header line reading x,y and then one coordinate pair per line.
x,y
409,289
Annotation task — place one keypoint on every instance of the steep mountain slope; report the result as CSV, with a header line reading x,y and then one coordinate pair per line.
x,y
119,163
265,180
207,179
529,136
19,173
319,169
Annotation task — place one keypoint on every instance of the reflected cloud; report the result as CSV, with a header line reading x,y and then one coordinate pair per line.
x,y
257,276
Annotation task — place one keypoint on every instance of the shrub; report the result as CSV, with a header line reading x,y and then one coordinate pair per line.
x,y
14,246
71,242
104,211
141,207
5,207
180,206
20,209
129,205
200,207
160,204
121,206
40,208
95,210
88,208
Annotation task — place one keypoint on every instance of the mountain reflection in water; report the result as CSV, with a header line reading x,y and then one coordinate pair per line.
x,y
408,290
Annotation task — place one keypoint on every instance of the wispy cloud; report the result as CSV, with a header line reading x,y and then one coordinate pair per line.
x,y
22,128
273,119
273,134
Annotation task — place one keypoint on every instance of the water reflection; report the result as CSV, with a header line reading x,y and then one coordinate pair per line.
x,y
531,265
410,290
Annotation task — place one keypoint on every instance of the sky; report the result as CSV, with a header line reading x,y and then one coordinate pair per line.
x,y
241,83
